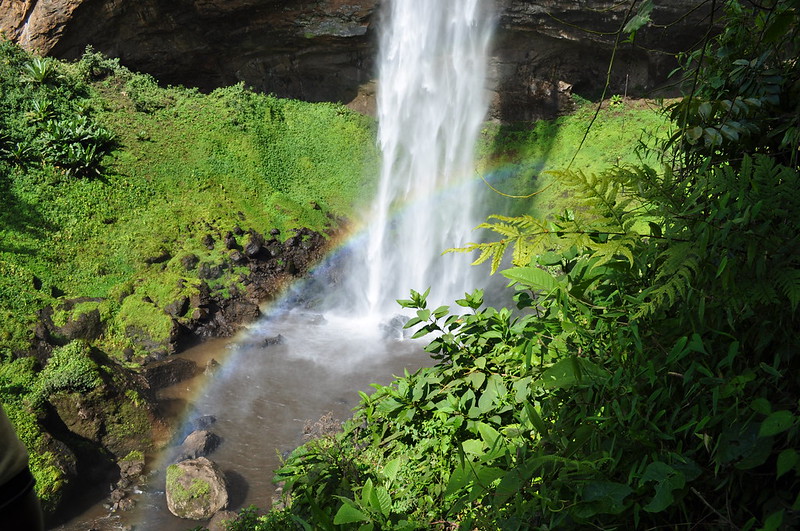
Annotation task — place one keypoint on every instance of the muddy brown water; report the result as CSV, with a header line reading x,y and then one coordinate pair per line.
x,y
274,379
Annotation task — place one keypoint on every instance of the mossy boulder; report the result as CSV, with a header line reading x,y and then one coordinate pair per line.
x,y
196,489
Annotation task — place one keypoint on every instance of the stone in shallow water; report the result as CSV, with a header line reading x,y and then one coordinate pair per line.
x,y
196,489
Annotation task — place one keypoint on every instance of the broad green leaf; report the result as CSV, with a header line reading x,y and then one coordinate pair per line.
x,y
774,521
712,136
509,485
476,380
776,422
459,479
787,459
641,17
667,480
391,468
473,446
489,435
761,405
530,413
570,371
778,28
384,500
693,134
348,514
366,492
704,110
531,277
611,494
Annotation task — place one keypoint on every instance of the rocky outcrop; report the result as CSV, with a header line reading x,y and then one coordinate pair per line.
x,y
324,50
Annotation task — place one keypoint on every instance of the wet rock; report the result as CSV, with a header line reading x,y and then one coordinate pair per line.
x,y
254,245
242,311
237,257
126,504
161,374
203,422
189,261
209,272
196,489
131,468
273,340
393,329
178,307
208,242
274,232
230,241
211,367
237,230
162,256
199,443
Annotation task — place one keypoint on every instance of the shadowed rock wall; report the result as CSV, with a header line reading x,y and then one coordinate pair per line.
x,y
323,50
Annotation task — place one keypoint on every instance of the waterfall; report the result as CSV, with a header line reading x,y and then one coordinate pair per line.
x,y
432,100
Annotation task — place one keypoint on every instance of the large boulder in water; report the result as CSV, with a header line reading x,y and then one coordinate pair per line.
x,y
199,443
196,489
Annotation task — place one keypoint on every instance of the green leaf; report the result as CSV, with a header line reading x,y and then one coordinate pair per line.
x,y
534,418
776,422
531,277
489,435
348,514
667,480
610,493
570,371
774,521
641,17
704,110
787,459
473,446
476,380
761,405
385,500
391,468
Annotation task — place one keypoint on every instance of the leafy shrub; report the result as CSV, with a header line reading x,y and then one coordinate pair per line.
x,y
40,70
94,66
145,93
70,368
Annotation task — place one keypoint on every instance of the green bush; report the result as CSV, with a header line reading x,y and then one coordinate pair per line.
x,y
70,368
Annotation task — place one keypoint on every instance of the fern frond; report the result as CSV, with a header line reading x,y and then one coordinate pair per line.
x,y
788,283
674,276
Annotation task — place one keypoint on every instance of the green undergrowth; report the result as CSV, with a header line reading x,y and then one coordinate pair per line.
x,y
111,186
183,165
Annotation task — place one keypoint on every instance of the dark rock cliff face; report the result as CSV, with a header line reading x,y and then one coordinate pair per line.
x,y
323,50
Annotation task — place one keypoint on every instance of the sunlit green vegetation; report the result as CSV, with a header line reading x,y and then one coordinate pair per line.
x,y
108,181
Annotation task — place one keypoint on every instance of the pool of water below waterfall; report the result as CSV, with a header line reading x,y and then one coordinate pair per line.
x,y
280,375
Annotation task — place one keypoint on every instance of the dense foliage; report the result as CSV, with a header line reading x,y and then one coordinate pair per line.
x,y
648,376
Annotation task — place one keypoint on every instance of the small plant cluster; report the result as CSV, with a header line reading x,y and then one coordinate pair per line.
x,y
46,118
648,376
70,368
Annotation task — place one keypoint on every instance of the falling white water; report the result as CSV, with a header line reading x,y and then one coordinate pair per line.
x,y
432,100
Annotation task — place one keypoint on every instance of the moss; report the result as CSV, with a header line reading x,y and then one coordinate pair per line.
x,y
128,428
134,455
181,495
135,312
